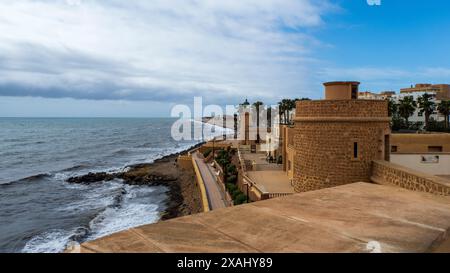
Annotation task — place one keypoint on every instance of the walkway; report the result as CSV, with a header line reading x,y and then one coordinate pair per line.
x,y
213,192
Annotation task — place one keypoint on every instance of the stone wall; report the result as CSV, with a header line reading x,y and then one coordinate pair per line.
x,y
387,173
324,136
185,162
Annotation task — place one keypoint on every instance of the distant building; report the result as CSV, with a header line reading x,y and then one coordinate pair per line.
x,y
438,92
442,91
428,153
367,95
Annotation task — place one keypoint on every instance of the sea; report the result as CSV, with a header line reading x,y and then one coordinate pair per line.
x,y
41,213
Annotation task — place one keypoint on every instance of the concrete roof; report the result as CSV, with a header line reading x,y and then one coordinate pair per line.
x,y
340,219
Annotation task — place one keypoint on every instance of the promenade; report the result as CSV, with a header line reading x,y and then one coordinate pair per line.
x,y
214,193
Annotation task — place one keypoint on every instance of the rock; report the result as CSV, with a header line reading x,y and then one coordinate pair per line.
x,y
91,178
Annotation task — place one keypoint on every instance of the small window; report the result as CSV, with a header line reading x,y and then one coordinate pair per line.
x,y
435,149
354,92
394,149
289,165
355,150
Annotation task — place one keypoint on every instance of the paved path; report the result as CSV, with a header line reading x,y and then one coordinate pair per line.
x,y
213,192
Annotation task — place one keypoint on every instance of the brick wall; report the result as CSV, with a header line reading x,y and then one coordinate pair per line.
x,y
384,172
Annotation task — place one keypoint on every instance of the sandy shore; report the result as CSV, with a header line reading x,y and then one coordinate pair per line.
x,y
183,195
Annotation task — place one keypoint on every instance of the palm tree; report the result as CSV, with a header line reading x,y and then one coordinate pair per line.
x,y
291,106
257,105
444,109
392,108
282,110
426,106
406,108
269,119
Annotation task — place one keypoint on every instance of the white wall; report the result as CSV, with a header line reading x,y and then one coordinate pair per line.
x,y
413,161
415,117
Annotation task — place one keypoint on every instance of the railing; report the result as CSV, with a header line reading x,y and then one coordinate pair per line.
x,y
276,195
201,185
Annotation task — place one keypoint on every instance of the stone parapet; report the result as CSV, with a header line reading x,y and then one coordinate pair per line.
x,y
342,108
387,173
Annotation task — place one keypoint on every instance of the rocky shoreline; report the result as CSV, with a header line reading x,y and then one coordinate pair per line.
x,y
183,194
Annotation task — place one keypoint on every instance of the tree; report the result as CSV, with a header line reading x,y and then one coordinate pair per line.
x,y
426,106
290,106
283,108
392,108
257,105
444,109
269,119
406,108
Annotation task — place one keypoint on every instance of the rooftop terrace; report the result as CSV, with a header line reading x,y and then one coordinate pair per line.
x,y
272,181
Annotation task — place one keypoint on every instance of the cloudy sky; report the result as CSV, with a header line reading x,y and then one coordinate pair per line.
x,y
140,57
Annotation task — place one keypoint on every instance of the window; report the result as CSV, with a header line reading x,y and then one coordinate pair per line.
x,y
355,150
394,149
289,165
435,149
354,92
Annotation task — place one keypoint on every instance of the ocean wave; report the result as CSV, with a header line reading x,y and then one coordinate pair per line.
x,y
29,178
113,220
120,207
51,241
75,168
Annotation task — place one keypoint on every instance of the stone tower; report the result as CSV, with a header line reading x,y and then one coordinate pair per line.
x,y
336,139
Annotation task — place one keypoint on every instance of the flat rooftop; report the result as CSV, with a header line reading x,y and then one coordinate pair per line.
x,y
272,181
340,219
260,160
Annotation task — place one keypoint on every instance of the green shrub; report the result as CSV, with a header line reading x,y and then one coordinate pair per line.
x,y
231,187
235,193
232,179
207,153
240,199
231,169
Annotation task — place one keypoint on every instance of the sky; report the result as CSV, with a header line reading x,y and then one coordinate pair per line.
x,y
139,58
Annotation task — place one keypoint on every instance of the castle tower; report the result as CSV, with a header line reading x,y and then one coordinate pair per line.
x,y
336,139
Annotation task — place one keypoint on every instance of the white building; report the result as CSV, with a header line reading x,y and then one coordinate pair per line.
x,y
438,92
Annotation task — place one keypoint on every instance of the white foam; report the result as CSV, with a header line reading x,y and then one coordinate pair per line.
x,y
52,241
96,196
133,212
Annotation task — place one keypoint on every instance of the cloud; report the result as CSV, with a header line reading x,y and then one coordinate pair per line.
x,y
157,50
